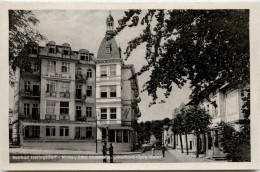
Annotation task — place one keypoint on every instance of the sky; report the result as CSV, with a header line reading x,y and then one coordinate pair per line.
x,y
85,29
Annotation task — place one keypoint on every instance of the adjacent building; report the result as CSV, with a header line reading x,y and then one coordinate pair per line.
x,y
226,104
75,100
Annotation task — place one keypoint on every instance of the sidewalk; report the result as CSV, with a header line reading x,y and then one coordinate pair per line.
x,y
22,151
183,157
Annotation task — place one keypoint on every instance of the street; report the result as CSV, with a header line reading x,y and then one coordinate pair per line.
x,y
171,156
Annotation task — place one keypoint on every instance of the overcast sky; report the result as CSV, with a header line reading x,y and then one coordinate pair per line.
x,y
85,29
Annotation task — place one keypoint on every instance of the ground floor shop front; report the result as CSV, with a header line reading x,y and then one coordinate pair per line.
x,y
81,136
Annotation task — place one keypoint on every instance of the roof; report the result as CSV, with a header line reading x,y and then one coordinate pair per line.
x,y
110,18
114,53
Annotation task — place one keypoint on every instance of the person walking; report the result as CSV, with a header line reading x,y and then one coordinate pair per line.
x,y
104,150
111,153
163,150
153,149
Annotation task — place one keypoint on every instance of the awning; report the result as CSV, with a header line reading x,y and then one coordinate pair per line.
x,y
120,128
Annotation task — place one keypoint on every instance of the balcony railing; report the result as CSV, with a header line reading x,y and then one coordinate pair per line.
x,y
80,97
107,121
24,116
64,95
50,94
81,77
30,93
64,117
50,117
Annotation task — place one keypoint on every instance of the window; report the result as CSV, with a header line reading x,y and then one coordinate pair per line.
x,y
89,73
112,91
112,70
89,90
89,112
79,71
64,87
103,91
112,113
214,109
50,130
119,136
108,49
64,107
65,51
50,117
51,86
52,49
36,67
27,85
51,66
111,135
64,131
83,56
26,108
65,68
103,113
50,107
103,71
125,136
88,132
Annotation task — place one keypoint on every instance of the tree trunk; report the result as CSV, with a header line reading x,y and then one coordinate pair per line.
x,y
174,142
198,145
187,146
205,143
181,144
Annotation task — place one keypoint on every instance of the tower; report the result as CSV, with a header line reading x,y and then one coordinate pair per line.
x,y
110,24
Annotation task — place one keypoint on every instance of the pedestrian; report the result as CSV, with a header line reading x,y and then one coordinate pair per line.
x,y
163,150
111,153
153,149
104,150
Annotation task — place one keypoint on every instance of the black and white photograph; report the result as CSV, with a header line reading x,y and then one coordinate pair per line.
x,y
136,85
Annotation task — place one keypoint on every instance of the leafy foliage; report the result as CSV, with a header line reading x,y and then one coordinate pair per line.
x,y
199,46
235,143
22,37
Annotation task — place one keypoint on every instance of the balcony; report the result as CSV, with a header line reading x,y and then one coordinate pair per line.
x,y
23,116
50,94
105,121
81,118
64,95
30,93
134,102
50,117
80,97
81,77
64,117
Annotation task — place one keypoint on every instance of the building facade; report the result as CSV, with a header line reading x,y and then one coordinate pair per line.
x,y
226,104
76,100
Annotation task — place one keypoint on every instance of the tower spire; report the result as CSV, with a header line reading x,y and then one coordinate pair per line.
x,y
110,24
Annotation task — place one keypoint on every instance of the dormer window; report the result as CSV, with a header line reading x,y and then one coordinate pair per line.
x,y
108,49
65,51
83,56
52,49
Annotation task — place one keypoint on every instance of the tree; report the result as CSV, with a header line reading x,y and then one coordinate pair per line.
x,y
147,131
22,37
198,121
199,46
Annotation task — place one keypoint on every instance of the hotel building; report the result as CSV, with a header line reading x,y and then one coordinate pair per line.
x,y
72,100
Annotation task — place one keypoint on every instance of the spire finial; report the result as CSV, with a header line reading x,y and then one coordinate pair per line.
x,y
109,12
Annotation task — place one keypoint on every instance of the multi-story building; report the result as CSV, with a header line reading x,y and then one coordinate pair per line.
x,y
75,100
225,105
116,95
